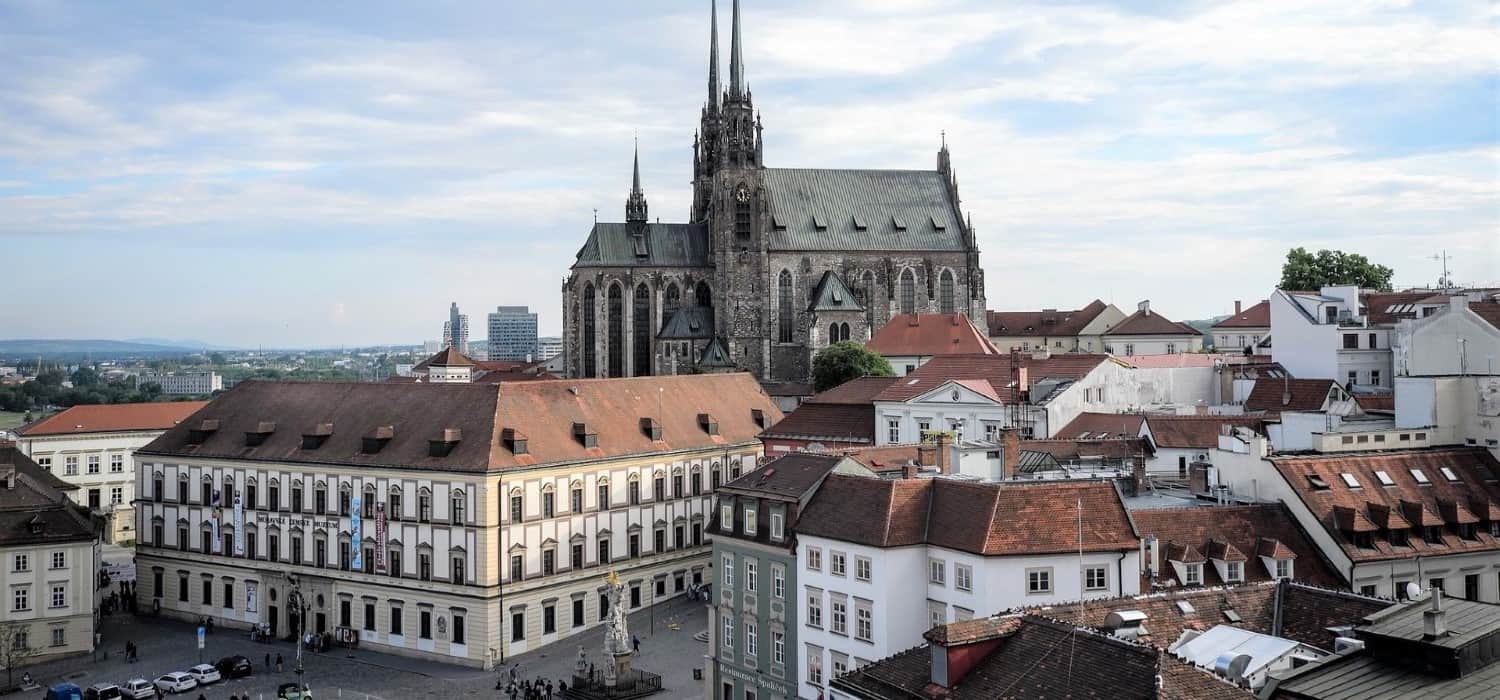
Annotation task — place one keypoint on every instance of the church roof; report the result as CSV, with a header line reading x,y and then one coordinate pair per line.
x,y
716,355
612,244
832,295
689,323
878,210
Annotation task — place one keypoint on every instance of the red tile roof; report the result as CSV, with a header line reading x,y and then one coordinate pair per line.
x,y
885,458
1047,322
447,357
861,390
1149,322
1378,307
1245,529
1257,316
114,418
1197,432
827,422
1376,402
1489,311
1072,450
994,369
1340,508
544,411
970,517
930,334
1111,424
1287,394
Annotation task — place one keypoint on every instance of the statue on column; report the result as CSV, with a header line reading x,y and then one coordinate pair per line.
x,y
617,647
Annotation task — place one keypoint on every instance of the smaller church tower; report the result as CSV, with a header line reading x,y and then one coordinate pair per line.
x,y
635,204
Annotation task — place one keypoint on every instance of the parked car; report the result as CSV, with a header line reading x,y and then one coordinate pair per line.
x,y
205,674
293,691
176,682
102,691
138,689
64,691
234,667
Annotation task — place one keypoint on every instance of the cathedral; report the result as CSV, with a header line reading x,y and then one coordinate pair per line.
x,y
772,265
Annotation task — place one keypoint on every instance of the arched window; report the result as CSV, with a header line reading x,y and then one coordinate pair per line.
x,y
589,306
945,292
742,221
784,307
833,333
908,292
458,509
703,295
867,296
640,327
616,339
671,300
843,331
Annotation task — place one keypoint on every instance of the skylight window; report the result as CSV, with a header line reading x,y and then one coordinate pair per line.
x,y
1317,482
913,382
1385,479
1419,476
1185,607
1350,481
1448,474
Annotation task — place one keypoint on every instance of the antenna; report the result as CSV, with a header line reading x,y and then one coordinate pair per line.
x,y
1443,257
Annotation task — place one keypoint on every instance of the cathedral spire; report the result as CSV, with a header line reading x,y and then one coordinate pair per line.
x,y
635,205
736,63
713,54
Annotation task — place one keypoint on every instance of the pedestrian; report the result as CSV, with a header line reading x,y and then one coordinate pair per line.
x,y
268,661
549,689
562,687
637,642
278,662
514,668
159,694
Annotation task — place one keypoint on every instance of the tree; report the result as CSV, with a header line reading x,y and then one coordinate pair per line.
x,y
15,647
216,358
1308,272
840,362
85,376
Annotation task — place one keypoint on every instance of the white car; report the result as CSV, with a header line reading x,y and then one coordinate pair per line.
x,y
205,674
176,682
138,689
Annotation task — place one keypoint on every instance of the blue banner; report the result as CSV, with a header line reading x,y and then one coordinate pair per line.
x,y
356,541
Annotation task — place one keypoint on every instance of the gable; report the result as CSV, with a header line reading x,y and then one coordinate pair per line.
x,y
955,392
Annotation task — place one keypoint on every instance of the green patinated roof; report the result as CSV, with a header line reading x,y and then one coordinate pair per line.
x,y
716,355
832,295
667,245
689,323
862,210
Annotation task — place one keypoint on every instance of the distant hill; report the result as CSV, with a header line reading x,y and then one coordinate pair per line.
x,y
97,347
193,344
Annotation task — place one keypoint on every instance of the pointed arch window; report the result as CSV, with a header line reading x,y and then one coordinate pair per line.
x,y
616,341
703,295
833,333
589,336
784,307
843,331
640,327
908,292
945,292
742,218
671,300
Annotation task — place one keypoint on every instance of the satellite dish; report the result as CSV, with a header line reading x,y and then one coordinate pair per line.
x,y
1232,666
1413,591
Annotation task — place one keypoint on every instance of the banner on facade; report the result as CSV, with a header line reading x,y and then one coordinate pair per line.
x,y
380,538
356,540
239,526
250,597
217,546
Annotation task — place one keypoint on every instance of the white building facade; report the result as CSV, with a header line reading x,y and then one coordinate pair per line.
x,y
183,383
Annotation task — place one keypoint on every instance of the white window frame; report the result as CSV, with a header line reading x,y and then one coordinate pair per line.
x,y
778,582
864,620
1090,573
1192,575
1039,574
937,571
751,641
838,615
1234,571
727,639
863,568
116,463
726,517
838,563
727,564
750,520
1283,568
814,608
963,577
814,559
893,430
750,576
778,527
778,648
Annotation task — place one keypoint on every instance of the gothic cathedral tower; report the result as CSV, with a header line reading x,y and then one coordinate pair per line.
x,y
729,195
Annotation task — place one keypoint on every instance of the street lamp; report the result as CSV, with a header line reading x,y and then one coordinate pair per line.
x,y
299,603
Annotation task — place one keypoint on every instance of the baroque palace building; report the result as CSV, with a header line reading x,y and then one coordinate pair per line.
x,y
772,264
462,522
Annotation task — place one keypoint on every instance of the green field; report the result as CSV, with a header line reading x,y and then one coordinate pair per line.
x,y
10,421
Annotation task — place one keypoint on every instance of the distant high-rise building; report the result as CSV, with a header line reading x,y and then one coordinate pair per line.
x,y
512,333
456,330
548,347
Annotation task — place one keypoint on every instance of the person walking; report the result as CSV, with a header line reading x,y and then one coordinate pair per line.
x,y
278,662
637,642
268,661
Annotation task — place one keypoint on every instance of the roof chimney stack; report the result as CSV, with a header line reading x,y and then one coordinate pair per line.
x,y
1144,307
1236,307
1434,625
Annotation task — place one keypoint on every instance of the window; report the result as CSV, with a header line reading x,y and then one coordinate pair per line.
x,y
777,527
659,488
963,577
603,496
1353,377
549,619
518,626
937,613
1283,568
836,563
1193,575
1432,535
460,569
296,496
70,466
575,499
784,314
778,648
750,577
726,517
1038,581
117,463
59,560
393,561
424,506
458,628
1234,571
603,552
459,513
1349,480
1448,473
21,639
116,495
908,292
839,615
517,508
1367,590
814,608
59,595
937,571
814,665
59,636
578,620
396,620
182,587
634,542
728,637
320,499
46,464
945,293
893,429
1171,348
677,486
575,556
633,492
750,519
864,620
728,569
1095,578
1419,476
778,581
1129,349
21,562
1384,479
750,638
862,568
814,559
1375,377
697,482
517,567
207,591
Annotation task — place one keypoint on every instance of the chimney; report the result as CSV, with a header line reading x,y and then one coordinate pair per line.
x,y
1434,625
1457,302
1144,307
1010,454
1153,555
1236,307
944,447
1138,471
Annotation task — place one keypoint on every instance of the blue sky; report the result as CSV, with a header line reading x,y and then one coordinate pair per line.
x,y
337,173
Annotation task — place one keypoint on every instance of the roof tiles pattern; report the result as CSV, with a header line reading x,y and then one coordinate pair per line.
x,y
1047,322
111,418
930,334
897,207
995,369
1257,316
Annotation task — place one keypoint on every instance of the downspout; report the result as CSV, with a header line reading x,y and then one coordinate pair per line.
x,y
1120,572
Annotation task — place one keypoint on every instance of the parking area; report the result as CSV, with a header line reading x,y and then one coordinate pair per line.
x,y
667,649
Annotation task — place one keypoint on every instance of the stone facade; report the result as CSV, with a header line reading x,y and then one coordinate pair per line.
x,y
744,271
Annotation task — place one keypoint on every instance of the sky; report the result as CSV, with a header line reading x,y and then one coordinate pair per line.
x,y
317,174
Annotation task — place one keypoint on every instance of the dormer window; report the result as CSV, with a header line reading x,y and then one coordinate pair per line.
x,y
257,437
1398,538
585,435
201,432
514,440
651,428
759,417
1432,535
313,439
1465,531
1349,480
726,517
708,423
1317,482
443,444
377,439
1362,540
